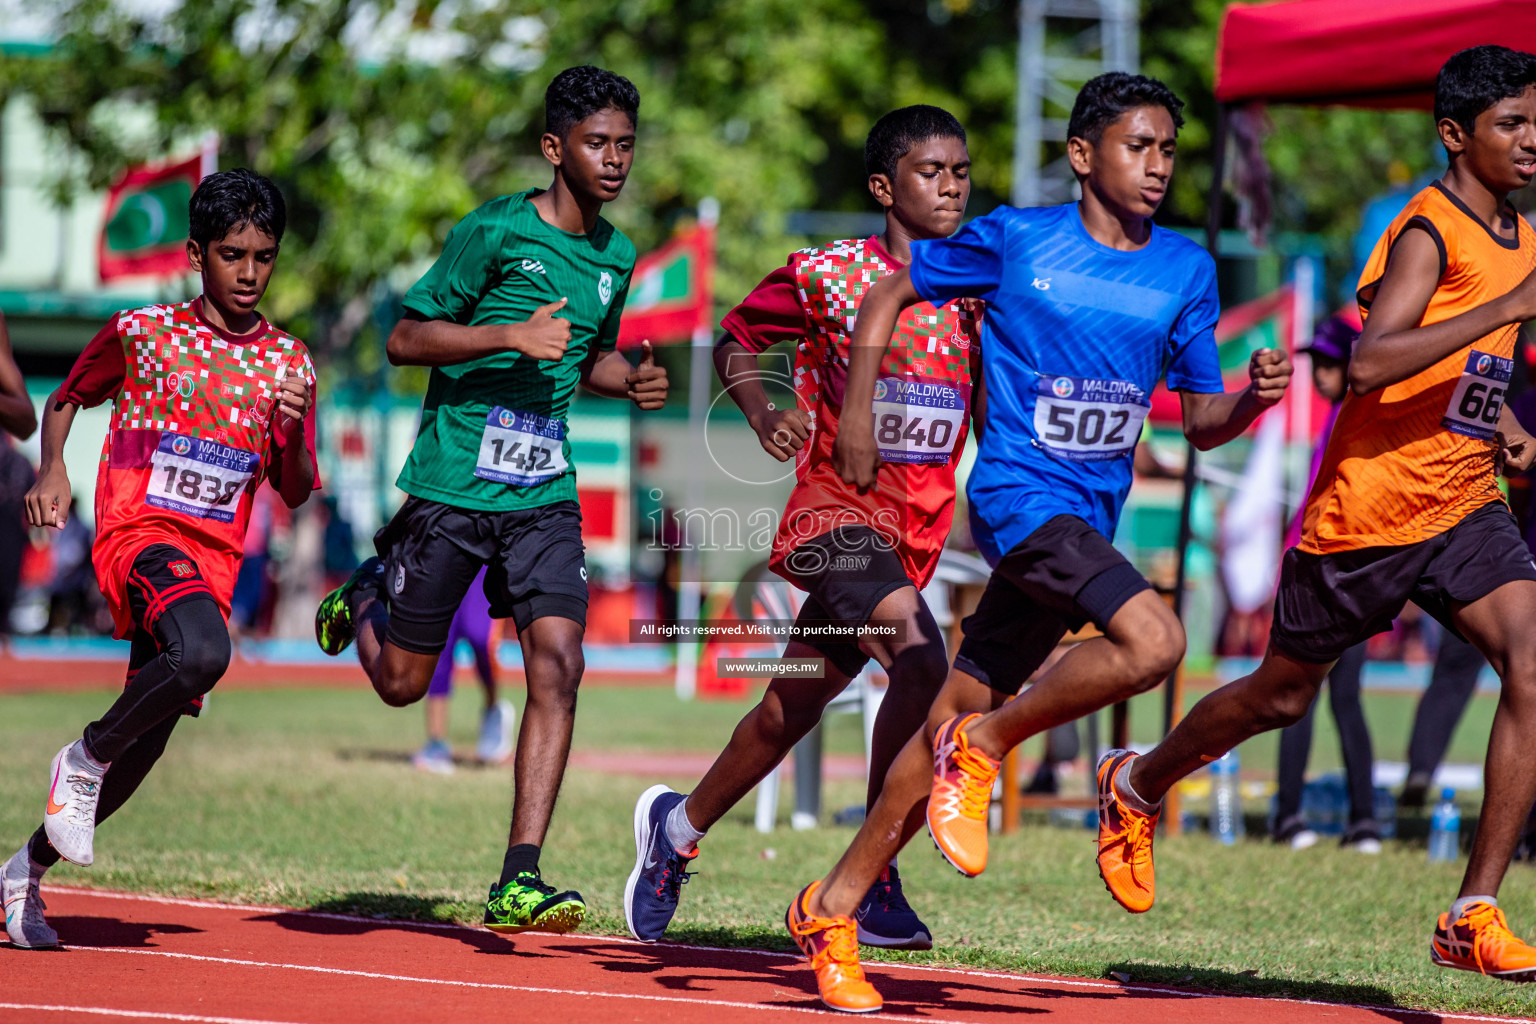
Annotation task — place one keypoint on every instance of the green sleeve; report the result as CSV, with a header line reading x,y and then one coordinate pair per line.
x,y
469,266
608,337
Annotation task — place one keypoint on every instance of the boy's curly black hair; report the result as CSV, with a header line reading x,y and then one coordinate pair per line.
x,y
229,200
894,135
1477,78
580,92
1104,98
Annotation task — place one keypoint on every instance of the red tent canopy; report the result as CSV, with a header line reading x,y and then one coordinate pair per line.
x,y
1360,52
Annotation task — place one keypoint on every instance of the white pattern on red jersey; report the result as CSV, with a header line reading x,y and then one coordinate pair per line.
x,y
813,301
191,439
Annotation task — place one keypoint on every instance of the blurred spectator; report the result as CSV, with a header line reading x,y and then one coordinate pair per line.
x,y
1451,685
472,624
251,584
17,417
16,478
73,596
1458,663
1329,350
340,545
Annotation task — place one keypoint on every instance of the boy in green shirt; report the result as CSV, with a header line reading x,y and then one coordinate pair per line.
x,y
522,305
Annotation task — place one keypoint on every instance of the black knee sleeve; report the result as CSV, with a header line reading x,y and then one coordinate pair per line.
x,y
196,643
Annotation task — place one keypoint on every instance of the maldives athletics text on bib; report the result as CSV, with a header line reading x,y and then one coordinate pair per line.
x,y
1479,396
1086,419
198,477
916,420
521,448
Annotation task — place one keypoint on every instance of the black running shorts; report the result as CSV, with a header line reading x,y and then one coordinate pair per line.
x,y
846,573
1328,603
1056,580
534,558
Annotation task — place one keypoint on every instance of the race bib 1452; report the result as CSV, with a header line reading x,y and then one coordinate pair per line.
x,y
1479,396
917,421
200,478
521,448
1086,419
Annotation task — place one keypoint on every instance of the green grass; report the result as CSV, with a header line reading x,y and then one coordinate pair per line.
x,y
306,798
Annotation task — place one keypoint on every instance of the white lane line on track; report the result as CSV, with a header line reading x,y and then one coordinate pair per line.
x,y
105,1011
171,901
496,986
956,972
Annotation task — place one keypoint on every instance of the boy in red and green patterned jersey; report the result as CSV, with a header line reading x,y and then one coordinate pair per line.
x,y
209,401
860,556
521,307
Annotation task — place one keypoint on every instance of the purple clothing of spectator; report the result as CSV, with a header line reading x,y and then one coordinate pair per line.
x,y
471,623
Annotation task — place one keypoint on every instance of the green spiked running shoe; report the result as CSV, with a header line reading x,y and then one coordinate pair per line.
x,y
334,628
529,904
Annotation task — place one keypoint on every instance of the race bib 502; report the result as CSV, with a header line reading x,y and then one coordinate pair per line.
x,y
917,421
521,448
1479,396
1086,419
197,477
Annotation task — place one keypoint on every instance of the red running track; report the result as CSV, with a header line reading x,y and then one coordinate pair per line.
x,y
145,958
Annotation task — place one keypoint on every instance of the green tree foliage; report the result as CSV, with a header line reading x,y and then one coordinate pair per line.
x,y
386,120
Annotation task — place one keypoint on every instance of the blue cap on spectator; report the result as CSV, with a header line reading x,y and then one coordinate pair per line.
x,y
1334,340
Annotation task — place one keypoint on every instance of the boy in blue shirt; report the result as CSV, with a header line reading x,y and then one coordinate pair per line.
x,y
1088,305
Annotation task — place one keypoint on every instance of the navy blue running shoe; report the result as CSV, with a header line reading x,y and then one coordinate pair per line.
x,y
651,894
885,918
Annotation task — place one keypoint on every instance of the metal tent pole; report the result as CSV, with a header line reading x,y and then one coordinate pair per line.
x,y
1173,692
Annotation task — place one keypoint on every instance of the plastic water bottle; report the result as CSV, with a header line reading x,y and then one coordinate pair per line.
x,y
1226,802
1445,828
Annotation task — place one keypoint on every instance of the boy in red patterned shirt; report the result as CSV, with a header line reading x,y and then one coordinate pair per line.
x,y
859,555
209,400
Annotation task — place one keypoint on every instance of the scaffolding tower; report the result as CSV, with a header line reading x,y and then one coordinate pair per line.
x,y
1062,44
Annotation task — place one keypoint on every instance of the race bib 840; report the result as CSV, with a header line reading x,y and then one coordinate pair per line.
x,y
1479,396
1088,420
521,448
917,421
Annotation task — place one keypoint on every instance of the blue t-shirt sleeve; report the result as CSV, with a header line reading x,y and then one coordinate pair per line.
x,y
968,263
1193,364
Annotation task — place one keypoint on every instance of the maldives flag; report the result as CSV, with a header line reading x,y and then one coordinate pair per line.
x,y
145,230
1265,322
670,292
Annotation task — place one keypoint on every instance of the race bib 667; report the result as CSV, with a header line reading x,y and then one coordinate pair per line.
x,y
1086,419
521,448
1479,396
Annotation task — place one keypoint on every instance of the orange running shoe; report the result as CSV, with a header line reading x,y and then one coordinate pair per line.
x,y
832,943
1125,840
1480,940
962,792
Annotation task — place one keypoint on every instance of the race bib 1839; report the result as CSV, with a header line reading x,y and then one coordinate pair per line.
x,y
521,448
197,477
1479,396
917,421
1088,420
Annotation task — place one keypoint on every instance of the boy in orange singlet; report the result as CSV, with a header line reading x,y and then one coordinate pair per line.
x,y
1406,505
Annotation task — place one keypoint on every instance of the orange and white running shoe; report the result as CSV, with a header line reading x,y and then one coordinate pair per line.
x,y
961,794
1480,940
1125,840
832,944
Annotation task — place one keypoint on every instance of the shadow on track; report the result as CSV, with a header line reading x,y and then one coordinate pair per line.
x,y
360,913
110,931
1206,980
